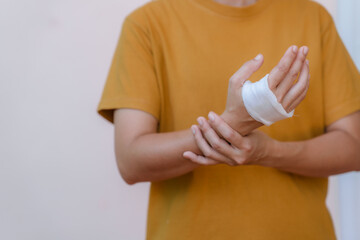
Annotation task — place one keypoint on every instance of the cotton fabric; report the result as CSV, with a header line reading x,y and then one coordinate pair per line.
x,y
174,59
261,103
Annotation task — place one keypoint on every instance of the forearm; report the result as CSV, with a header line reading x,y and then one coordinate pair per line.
x,y
332,153
158,156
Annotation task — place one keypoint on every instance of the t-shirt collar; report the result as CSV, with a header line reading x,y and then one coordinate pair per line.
x,y
234,11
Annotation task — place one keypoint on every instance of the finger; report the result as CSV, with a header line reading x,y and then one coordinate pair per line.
x,y
297,102
301,97
246,70
207,150
297,89
279,72
199,159
206,147
218,144
292,75
229,134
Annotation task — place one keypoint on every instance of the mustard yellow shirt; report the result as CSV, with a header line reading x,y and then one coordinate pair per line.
x,y
173,60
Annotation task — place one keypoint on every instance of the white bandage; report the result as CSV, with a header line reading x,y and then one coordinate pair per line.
x,y
261,103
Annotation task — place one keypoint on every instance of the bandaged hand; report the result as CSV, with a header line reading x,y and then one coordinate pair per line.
x,y
288,81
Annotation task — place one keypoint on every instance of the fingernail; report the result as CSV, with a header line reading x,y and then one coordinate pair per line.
x,y
294,49
211,117
258,57
307,62
200,121
306,50
193,129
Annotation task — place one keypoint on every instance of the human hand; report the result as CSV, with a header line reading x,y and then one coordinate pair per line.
x,y
230,147
282,82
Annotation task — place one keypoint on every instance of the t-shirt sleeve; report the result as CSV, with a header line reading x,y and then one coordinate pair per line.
x,y
131,82
340,75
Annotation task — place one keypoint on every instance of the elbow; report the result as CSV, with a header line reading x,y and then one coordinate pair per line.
x,y
129,181
124,167
127,176
126,172
358,165
357,158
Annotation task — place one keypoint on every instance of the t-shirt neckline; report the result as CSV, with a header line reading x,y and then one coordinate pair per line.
x,y
231,11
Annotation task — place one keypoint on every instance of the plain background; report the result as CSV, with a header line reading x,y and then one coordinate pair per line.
x,y
58,175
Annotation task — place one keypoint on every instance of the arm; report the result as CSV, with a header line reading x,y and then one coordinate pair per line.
x,y
144,155
336,151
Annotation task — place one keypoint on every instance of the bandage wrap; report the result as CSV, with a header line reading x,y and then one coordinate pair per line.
x,y
261,103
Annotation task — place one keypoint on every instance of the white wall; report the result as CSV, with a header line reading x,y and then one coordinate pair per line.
x,y
348,20
58,176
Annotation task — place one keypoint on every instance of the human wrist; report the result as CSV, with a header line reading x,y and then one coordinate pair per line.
x,y
279,153
240,122
272,153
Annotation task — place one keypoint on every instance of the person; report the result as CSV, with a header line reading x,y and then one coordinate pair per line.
x,y
177,60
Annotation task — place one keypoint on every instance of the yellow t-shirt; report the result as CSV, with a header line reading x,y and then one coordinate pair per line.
x,y
174,59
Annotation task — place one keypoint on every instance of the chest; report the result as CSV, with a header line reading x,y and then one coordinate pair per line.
x,y
197,60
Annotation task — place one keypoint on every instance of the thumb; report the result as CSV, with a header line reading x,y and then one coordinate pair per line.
x,y
246,70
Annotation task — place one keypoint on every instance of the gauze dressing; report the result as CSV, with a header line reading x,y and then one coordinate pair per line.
x,y
261,103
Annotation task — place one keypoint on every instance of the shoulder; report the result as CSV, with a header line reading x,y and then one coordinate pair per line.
x,y
316,9
323,15
319,9
308,10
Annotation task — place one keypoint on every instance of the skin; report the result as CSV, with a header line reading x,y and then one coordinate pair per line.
x,y
142,154
336,151
236,3
280,79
